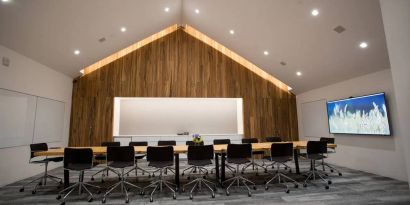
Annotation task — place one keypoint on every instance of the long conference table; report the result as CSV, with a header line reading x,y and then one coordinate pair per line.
x,y
219,150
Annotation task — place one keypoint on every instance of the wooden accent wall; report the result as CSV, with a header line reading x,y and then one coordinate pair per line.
x,y
178,65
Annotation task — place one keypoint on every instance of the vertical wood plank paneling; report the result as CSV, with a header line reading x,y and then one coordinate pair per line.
x,y
178,65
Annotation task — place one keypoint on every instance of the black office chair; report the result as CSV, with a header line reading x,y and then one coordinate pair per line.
x,y
329,140
315,152
42,180
78,159
160,158
139,157
199,157
103,157
253,163
224,141
167,143
193,169
280,154
239,154
273,139
120,158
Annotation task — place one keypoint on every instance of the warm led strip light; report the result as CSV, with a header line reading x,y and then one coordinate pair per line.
x,y
128,50
202,37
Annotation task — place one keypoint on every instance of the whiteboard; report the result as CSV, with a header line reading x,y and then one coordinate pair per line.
x,y
165,116
26,119
314,119
17,113
49,121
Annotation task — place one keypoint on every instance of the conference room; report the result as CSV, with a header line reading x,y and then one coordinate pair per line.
x,y
204,102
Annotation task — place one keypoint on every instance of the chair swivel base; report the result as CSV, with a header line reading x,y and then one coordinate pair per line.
x,y
81,185
124,189
316,173
105,169
158,185
332,169
254,164
198,182
278,175
42,181
238,179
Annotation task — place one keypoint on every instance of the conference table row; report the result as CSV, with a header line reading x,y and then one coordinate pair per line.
x,y
219,150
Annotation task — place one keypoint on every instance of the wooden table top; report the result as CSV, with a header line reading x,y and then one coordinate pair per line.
x,y
179,149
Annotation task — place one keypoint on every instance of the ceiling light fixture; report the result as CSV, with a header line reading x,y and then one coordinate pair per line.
x,y
5,1
197,11
166,9
232,32
123,29
298,73
289,88
77,52
363,45
315,12
82,71
265,53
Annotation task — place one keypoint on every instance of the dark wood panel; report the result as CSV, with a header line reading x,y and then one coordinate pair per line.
x,y
178,65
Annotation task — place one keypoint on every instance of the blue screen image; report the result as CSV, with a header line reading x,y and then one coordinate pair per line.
x,y
360,115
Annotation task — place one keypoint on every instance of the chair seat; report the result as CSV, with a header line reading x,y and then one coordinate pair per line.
x,y
100,157
78,167
53,159
238,160
119,164
313,156
280,159
161,164
200,162
258,152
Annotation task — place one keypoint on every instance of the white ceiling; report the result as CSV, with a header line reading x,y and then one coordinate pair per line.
x,y
48,31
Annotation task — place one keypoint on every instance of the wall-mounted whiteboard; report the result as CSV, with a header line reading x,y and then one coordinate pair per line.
x,y
26,119
314,119
169,116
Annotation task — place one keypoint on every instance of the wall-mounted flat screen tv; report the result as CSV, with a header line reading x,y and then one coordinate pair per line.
x,y
365,115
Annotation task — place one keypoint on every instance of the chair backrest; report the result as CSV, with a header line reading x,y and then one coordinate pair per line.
x,y
167,143
160,154
273,139
329,140
316,147
140,143
120,154
281,150
110,144
250,140
38,147
200,152
191,143
239,151
222,141
78,156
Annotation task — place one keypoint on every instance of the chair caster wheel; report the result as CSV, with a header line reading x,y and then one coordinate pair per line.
x,y
290,171
286,168
296,186
151,200
127,201
33,192
340,174
304,185
104,200
249,194
266,170
149,176
102,181
213,195
331,170
254,187
204,177
92,178
58,197
242,172
61,182
21,190
174,196
227,193
40,183
182,174
90,199
153,175
191,197
327,187
287,191
329,182
188,178
266,187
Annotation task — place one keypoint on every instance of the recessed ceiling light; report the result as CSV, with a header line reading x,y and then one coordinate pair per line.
x,y
123,29
298,73
315,12
197,11
289,88
77,52
231,31
265,53
5,0
166,9
363,45
82,71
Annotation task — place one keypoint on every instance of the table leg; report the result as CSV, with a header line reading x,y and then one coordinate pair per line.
x,y
217,167
223,167
296,158
177,170
66,178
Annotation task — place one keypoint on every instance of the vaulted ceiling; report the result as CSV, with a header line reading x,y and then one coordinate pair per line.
x,y
49,31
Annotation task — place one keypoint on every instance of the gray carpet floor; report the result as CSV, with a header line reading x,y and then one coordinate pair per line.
x,y
354,187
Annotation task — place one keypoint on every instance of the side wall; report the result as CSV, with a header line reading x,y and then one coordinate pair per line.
x,y
178,65
376,154
27,76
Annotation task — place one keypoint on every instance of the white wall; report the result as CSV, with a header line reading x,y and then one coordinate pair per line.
x,y
396,19
30,77
375,154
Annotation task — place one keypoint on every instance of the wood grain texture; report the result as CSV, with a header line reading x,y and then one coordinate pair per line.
x,y
178,65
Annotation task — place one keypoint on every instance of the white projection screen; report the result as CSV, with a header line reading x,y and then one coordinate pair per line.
x,y
169,116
